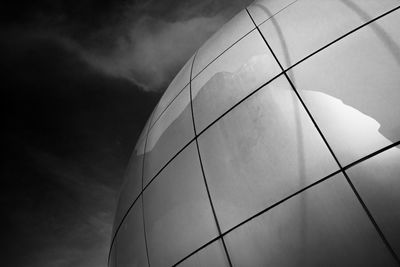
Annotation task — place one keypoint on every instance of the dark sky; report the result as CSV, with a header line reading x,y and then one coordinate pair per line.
x,y
79,79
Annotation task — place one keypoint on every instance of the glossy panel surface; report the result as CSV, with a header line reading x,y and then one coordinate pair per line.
x,y
259,147
352,89
307,25
212,255
169,134
176,86
177,211
132,185
261,10
262,151
238,72
378,182
130,239
111,260
323,226
231,32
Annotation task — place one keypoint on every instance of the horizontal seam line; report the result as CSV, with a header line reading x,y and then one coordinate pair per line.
x,y
223,52
260,213
341,37
169,104
261,23
371,155
238,103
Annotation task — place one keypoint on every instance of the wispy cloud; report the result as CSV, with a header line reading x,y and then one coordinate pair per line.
x,y
153,50
145,42
149,45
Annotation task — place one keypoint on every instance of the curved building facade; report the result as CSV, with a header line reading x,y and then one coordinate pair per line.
x,y
277,144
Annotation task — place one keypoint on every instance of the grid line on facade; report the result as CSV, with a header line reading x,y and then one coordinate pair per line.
x,y
136,198
372,219
287,198
166,164
163,111
342,169
202,168
364,206
271,206
277,203
144,223
285,70
383,149
342,37
259,213
213,60
273,15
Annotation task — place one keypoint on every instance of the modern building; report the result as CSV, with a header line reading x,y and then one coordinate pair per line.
x,y
277,144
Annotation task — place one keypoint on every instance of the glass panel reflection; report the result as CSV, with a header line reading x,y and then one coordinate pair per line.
x,y
176,86
231,32
238,72
178,214
323,226
131,248
261,10
169,134
378,182
318,22
352,89
262,151
212,255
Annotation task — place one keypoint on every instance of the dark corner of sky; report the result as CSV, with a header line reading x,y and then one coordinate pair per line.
x,y
68,130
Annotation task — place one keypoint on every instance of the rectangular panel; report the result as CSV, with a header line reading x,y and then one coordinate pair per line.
x,y
211,256
323,226
176,86
352,89
231,32
131,247
261,10
178,214
377,180
168,135
308,25
262,151
236,73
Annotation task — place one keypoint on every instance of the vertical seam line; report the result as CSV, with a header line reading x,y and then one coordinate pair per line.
x,y
366,210
202,168
142,194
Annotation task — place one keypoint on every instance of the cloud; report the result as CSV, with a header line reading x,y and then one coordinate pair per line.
x,y
153,50
145,42
153,39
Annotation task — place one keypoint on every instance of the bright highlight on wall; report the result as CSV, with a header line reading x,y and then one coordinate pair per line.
x,y
277,144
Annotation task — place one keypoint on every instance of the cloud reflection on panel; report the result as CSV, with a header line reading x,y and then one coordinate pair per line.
x,y
361,70
231,77
349,123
